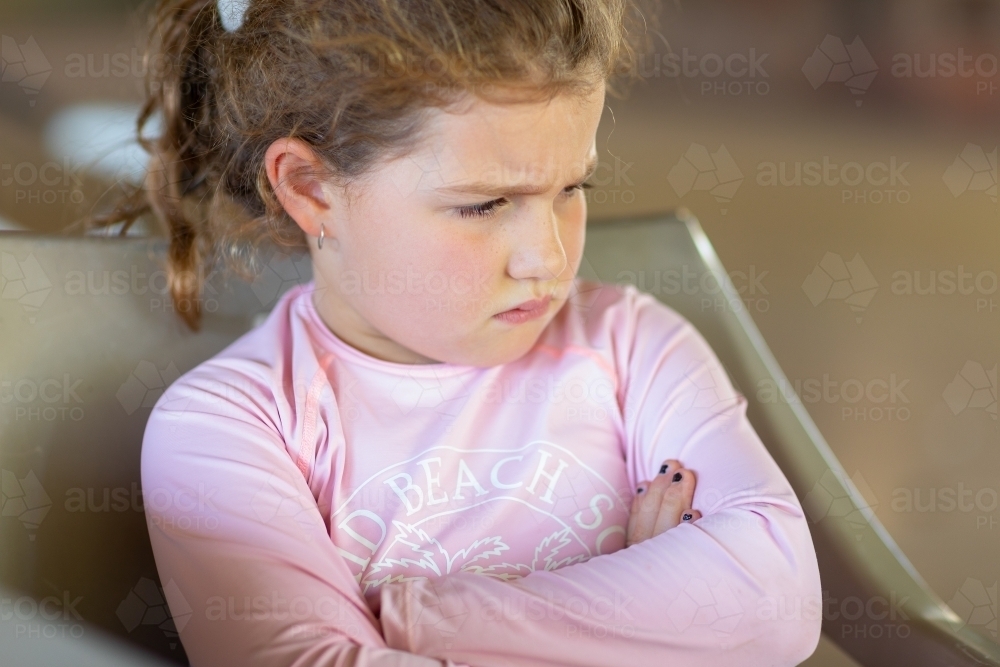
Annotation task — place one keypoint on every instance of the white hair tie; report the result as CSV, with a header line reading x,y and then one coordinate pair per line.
x,y
231,12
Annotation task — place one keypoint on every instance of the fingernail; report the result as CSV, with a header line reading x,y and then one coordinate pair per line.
x,y
663,468
640,489
687,517
677,476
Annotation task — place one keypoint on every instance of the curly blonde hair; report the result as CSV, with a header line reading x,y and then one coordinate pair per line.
x,y
350,78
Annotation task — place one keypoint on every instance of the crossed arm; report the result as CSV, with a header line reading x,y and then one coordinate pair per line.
x,y
732,587
263,584
253,578
702,593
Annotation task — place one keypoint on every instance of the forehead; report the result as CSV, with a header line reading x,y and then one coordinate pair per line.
x,y
512,143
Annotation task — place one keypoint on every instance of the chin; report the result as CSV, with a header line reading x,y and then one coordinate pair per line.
x,y
514,351
496,349
493,357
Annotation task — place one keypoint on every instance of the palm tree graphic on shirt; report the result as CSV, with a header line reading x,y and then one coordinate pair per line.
x,y
413,554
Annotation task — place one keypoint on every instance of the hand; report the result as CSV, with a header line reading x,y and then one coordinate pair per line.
x,y
662,504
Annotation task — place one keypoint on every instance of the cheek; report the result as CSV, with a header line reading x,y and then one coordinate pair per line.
x,y
574,227
430,277
427,266
434,255
469,270
389,241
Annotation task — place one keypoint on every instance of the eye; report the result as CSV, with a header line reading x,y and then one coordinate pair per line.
x,y
481,210
578,186
487,209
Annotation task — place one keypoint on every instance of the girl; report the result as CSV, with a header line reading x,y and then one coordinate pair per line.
x,y
439,450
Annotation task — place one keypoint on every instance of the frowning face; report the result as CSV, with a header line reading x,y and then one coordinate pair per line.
x,y
485,214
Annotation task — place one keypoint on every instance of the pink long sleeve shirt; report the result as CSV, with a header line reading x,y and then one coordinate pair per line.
x,y
309,504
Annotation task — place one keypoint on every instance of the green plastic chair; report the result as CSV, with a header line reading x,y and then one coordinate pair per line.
x,y
856,555
90,341
38,642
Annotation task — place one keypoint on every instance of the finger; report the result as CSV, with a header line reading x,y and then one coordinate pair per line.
x,y
634,513
686,486
690,516
647,507
676,499
669,467
649,504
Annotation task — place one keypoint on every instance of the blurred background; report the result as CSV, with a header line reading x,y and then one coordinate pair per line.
x,y
841,156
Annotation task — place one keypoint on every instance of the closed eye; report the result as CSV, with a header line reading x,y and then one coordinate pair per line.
x,y
481,210
489,208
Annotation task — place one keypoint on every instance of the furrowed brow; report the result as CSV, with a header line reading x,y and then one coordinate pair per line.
x,y
494,190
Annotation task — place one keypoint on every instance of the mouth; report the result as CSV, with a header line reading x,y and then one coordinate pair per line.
x,y
526,311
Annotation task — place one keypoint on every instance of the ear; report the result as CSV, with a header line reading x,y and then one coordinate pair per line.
x,y
297,177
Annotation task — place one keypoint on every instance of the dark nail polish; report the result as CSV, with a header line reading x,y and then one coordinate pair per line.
x,y
640,490
663,468
677,476
687,517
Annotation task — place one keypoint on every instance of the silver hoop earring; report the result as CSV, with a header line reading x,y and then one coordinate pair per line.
x,y
319,244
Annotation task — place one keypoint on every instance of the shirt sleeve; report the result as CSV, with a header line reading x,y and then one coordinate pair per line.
x,y
249,571
739,586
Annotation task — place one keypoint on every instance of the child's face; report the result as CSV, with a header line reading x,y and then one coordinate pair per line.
x,y
404,277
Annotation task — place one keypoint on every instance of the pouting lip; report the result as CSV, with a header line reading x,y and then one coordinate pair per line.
x,y
533,304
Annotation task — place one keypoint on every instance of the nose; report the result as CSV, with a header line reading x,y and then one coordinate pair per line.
x,y
538,250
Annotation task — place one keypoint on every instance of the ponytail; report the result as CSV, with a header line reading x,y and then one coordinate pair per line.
x,y
351,78
183,175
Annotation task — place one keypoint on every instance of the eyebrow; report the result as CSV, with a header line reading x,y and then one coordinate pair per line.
x,y
491,189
